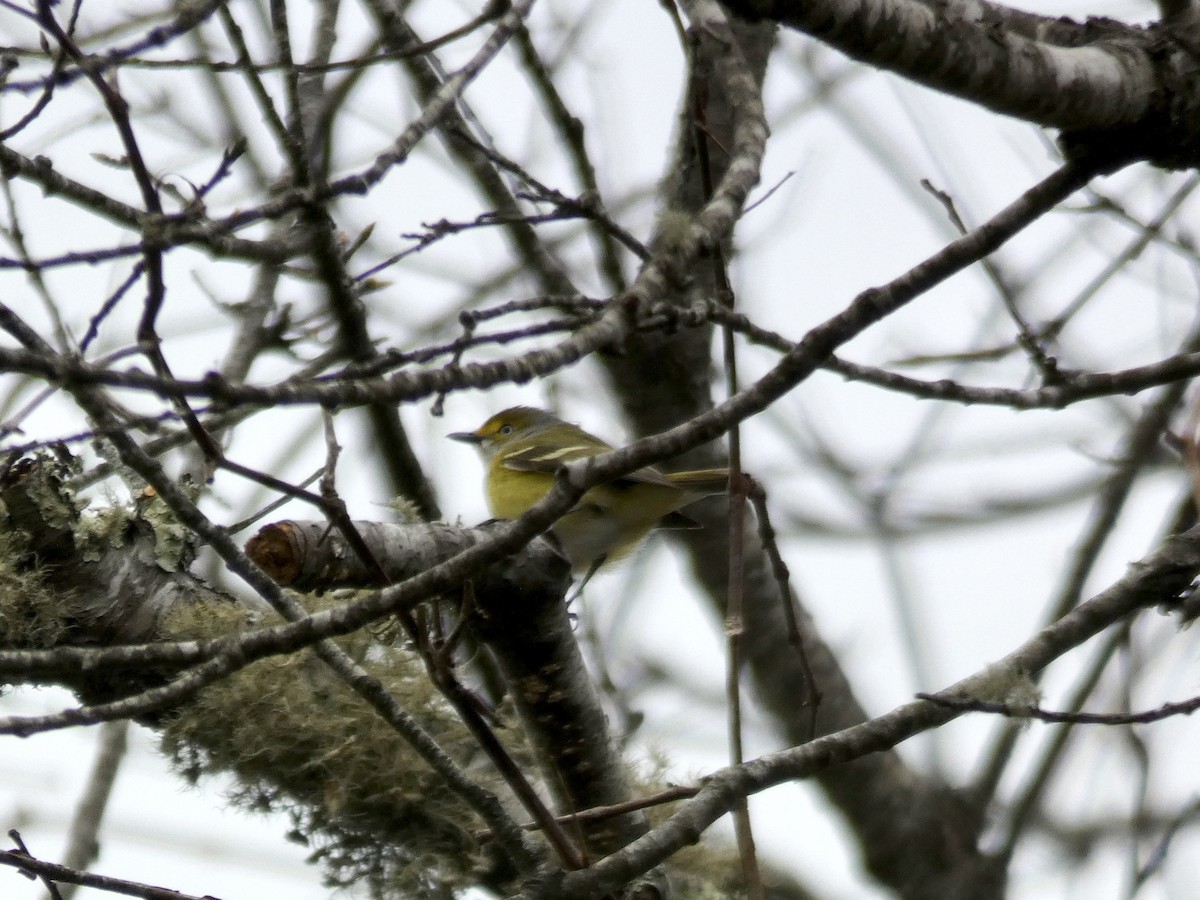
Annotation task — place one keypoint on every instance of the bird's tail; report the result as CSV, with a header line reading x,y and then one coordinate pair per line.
x,y
701,481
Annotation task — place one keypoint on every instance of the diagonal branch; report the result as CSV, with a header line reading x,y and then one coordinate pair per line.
x,y
1158,579
1104,78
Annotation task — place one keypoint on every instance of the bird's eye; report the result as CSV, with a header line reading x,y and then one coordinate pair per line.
x,y
506,429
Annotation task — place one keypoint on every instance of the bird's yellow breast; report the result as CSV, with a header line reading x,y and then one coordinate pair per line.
x,y
509,493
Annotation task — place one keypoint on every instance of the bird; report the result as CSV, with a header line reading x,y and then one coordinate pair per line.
x,y
522,447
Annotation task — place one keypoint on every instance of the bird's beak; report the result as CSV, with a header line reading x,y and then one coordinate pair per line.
x,y
467,437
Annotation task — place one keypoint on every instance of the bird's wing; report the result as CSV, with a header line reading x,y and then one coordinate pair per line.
x,y
543,459
547,459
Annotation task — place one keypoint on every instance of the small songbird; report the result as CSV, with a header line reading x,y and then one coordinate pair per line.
x,y
522,447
